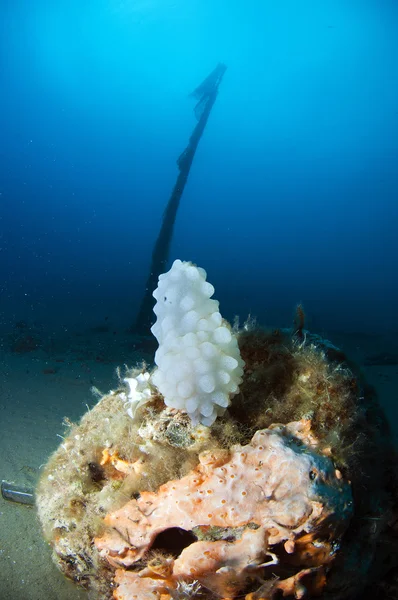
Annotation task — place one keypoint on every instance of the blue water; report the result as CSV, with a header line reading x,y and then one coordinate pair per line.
x,y
292,196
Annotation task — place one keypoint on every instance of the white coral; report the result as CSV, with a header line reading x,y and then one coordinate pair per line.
x,y
139,393
198,359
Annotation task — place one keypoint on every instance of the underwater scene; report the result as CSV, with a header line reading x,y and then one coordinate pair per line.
x,y
199,300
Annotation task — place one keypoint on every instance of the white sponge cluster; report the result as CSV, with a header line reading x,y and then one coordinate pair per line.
x,y
199,366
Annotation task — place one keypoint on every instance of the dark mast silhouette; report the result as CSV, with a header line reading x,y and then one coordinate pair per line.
x,y
206,95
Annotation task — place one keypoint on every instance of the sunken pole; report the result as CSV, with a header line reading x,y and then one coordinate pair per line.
x,y
206,95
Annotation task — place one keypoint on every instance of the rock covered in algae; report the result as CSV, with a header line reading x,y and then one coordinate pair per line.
x,y
293,533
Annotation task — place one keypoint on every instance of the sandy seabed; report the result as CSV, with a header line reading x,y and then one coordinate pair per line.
x,y
38,388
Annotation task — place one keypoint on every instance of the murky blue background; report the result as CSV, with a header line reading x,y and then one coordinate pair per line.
x,y
292,196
